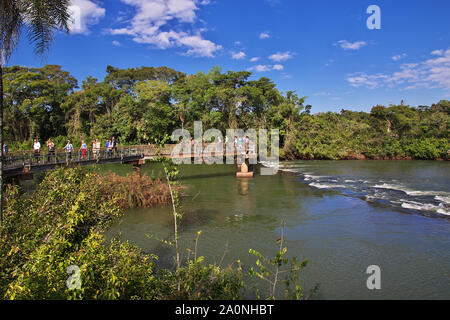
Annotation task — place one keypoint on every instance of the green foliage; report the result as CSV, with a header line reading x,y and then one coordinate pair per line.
x,y
395,132
272,270
62,224
428,148
201,282
138,105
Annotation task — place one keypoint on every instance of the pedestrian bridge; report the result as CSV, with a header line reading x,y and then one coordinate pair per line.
x,y
22,164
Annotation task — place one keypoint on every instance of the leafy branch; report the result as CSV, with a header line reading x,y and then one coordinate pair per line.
x,y
270,270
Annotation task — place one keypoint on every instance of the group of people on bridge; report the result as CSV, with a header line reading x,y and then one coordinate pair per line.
x,y
242,145
83,151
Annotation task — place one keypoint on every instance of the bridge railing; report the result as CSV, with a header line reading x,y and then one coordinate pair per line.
x,y
60,156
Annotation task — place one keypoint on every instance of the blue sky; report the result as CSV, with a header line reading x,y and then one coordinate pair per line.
x,y
320,49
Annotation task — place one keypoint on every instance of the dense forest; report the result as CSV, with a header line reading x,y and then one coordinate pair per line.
x,y
137,105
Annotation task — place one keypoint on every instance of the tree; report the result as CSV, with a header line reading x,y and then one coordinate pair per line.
x,y
32,102
41,18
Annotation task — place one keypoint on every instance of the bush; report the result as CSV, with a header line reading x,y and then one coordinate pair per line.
x,y
62,224
136,190
427,148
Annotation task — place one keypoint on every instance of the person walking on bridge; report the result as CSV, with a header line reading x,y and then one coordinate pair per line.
x,y
5,152
51,149
69,149
114,145
96,148
83,149
108,148
37,149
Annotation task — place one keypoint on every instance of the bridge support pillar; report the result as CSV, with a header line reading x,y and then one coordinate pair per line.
x,y
245,172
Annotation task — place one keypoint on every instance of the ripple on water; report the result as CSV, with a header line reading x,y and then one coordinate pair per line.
x,y
398,192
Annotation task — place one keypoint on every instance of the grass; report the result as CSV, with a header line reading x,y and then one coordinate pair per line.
x,y
135,190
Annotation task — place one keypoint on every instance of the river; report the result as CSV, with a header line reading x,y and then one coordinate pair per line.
x,y
342,216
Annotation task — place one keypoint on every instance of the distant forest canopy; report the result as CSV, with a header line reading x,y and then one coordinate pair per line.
x,y
137,105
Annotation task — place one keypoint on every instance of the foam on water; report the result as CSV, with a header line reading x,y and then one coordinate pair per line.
x,y
425,207
386,191
443,199
327,186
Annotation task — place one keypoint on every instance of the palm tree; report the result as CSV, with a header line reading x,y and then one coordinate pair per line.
x,y
40,18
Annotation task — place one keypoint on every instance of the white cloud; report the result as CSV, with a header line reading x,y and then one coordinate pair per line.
x,y
278,67
360,79
265,67
159,23
431,73
322,93
254,59
84,13
281,56
399,56
347,45
437,52
261,68
330,95
264,35
238,55
116,43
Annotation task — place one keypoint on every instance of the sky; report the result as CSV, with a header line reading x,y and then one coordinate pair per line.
x,y
323,50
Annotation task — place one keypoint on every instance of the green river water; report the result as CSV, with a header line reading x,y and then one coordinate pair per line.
x,y
342,216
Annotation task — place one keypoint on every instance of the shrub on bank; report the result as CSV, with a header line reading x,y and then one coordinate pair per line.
x,y
62,224
135,190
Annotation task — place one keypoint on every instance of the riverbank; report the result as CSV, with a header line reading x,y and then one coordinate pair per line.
x,y
53,245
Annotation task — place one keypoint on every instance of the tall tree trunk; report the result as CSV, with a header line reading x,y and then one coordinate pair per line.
x,y
1,139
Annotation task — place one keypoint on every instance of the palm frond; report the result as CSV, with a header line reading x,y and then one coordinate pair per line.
x,y
11,24
41,19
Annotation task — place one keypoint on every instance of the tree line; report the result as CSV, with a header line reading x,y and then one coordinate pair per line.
x,y
138,105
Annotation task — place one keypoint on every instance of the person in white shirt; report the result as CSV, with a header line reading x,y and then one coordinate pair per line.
x,y
37,149
98,146
69,149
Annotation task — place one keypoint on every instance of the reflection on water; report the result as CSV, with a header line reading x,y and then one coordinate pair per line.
x,y
337,229
243,186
